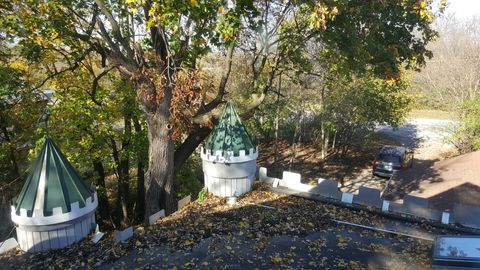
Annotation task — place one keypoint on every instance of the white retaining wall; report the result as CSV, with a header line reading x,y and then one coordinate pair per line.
x,y
415,207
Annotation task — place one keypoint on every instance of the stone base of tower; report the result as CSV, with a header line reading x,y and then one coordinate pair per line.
x,y
55,236
229,179
228,187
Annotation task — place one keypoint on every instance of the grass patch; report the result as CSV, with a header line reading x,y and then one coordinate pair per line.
x,y
433,114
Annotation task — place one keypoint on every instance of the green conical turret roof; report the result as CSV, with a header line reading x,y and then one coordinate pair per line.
x,y
52,183
229,134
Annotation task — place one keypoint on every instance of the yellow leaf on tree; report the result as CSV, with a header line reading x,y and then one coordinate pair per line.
x,y
19,65
150,23
38,40
276,259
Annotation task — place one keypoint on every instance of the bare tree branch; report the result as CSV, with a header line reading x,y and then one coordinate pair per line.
x,y
117,33
222,86
96,80
116,56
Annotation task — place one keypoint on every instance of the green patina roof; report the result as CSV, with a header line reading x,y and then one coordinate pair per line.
x,y
55,180
229,134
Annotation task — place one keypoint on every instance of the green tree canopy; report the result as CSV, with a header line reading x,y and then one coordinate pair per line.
x,y
157,44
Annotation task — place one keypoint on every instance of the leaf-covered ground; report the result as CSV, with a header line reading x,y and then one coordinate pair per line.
x,y
263,230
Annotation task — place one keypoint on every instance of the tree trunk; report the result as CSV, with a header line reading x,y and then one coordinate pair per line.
x,y
322,125
140,203
276,122
347,135
322,140
334,141
297,138
155,104
15,169
103,206
275,144
124,189
294,149
159,177
196,137
125,168
122,172
139,212
325,144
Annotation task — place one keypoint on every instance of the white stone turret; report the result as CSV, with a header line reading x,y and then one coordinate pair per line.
x,y
229,157
54,208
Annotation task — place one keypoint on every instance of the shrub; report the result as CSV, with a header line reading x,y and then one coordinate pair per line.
x,y
186,181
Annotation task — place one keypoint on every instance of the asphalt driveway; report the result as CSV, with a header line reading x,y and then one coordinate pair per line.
x,y
425,136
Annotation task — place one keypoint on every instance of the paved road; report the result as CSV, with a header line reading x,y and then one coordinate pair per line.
x,y
425,136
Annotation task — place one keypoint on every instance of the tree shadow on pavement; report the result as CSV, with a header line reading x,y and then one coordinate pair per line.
x,y
409,180
405,135
443,183
466,193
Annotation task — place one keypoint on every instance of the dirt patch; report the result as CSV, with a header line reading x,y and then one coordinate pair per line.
x,y
424,136
433,114
308,162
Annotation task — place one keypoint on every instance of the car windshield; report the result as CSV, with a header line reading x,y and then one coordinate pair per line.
x,y
389,158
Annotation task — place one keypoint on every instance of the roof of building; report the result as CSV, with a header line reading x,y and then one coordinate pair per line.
x,y
52,183
229,134
446,182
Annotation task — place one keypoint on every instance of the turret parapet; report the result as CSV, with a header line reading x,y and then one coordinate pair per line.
x,y
228,156
39,219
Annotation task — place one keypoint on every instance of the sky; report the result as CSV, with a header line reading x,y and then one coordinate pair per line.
x,y
464,9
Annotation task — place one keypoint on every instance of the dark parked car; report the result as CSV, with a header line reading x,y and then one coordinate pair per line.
x,y
391,159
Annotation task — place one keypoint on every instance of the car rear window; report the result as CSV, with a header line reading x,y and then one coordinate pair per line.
x,y
389,158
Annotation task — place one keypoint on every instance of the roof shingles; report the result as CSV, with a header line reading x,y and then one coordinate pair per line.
x,y
52,183
230,134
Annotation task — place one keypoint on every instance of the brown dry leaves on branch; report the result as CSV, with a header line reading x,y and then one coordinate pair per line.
x,y
186,87
148,84
185,101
